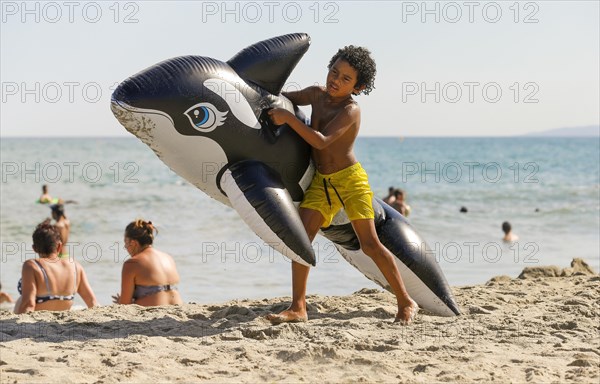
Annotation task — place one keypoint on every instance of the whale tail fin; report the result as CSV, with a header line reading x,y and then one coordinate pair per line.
x,y
270,62
421,274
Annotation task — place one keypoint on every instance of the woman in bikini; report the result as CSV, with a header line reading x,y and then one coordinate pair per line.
x,y
50,283
149,277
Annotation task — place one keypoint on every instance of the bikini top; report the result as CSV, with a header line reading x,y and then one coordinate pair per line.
x,y
43,299
147,290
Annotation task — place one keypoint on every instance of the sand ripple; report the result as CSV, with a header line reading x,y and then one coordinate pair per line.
x,y
540,327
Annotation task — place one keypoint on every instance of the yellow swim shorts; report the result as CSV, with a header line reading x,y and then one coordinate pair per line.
x,y
348,189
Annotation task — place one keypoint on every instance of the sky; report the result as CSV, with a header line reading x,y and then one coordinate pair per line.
x,y
465,68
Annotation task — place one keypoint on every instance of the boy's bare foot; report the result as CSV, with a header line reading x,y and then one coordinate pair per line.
x,y
407,314
287,316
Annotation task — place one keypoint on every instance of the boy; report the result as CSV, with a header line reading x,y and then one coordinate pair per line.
x,y
391,197
509,237
340,181
399,203
64,227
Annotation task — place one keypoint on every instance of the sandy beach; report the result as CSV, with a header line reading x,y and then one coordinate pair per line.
x,y
539,327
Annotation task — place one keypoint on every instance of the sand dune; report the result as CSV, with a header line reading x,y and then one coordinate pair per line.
x,y
540,327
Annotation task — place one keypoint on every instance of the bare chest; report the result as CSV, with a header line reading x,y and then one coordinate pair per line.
x,y
323,113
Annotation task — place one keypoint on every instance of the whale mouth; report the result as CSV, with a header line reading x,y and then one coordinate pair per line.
x,y
137,121
123,115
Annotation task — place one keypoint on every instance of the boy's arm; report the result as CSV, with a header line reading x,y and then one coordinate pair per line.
x,y
344,120
306,96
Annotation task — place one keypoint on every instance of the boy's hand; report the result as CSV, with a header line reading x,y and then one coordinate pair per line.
x,y
280,116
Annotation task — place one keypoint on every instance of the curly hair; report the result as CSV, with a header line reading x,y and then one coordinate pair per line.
x,y
45,238
360,59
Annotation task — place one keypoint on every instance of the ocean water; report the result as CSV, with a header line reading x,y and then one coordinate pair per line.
x,y
548,188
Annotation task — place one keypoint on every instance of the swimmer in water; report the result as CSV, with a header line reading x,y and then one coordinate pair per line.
x,y
63,225
509,237
45,198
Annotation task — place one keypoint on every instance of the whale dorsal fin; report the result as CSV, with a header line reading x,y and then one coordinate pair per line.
x,y
268,63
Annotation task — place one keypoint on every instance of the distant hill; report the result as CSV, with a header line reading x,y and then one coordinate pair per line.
x,y
587,131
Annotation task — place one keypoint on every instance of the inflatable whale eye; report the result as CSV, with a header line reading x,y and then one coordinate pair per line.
x,y
206,119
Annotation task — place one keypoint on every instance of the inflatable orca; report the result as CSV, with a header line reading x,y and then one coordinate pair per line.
x,y
207,120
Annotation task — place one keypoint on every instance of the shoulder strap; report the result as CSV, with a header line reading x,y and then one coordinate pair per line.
x,y
45,276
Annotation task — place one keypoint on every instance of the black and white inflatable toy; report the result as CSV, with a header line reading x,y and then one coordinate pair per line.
x,y
206,119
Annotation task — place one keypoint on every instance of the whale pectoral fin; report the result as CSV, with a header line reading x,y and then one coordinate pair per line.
x,y
257,193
